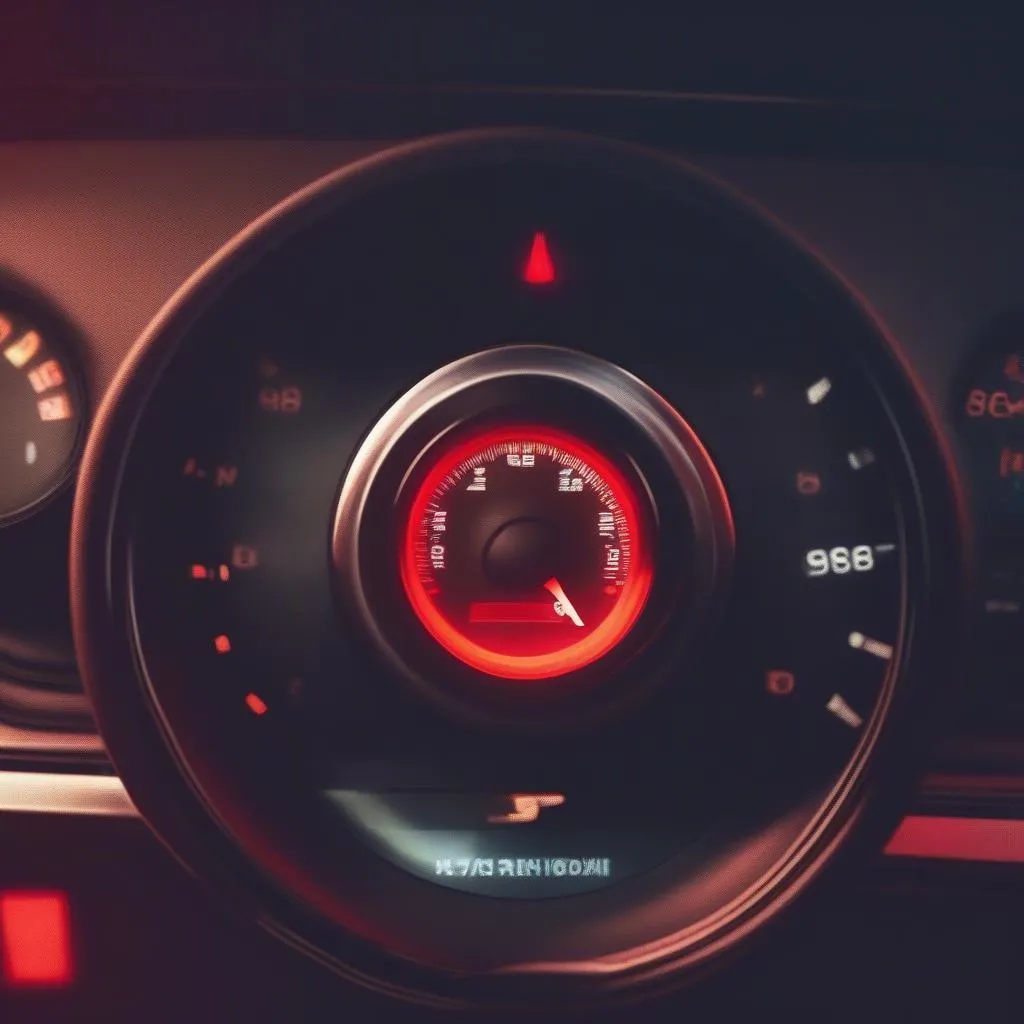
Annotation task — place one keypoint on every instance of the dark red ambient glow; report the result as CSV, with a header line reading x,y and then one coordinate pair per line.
x,y
35,932
539,267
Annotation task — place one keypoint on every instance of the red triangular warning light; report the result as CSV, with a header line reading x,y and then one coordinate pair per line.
x,y
539,269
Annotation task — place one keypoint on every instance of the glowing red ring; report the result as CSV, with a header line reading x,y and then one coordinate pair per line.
x,y
612,629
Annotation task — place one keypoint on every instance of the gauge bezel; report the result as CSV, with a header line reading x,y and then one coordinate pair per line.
x,y
143,748
614,409
59,335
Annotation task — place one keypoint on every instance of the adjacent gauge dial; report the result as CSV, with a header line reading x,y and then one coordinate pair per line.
x,y
519,547
990,416
41,415
992,425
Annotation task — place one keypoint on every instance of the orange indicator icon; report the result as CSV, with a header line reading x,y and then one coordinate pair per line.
x,y
526,808
57,407
21,351
45,376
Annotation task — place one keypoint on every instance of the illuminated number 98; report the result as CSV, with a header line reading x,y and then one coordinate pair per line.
x,y
285,400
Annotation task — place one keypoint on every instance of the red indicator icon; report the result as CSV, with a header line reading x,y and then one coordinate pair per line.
x,y
222,644
244,557
808,483
225,476
35,938
202,572
779,683
539,268
256,706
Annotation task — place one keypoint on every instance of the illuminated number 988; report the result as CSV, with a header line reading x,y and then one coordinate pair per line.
x,y
839,561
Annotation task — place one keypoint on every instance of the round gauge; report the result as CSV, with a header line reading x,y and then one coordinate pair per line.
x,y
515,531
41,415
525,555
532,551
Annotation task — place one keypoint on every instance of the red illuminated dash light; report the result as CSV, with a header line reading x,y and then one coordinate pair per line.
x,y
256,705
539,269
35,932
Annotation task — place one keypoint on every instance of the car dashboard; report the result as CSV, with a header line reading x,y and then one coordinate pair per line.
x,y
498,544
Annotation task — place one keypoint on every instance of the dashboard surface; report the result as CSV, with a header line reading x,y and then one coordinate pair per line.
x,y
102,233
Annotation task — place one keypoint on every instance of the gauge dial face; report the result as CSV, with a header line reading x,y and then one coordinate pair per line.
x,y
519,546
524,555
40,415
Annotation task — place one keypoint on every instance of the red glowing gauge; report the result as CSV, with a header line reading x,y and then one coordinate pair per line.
x,y
526,554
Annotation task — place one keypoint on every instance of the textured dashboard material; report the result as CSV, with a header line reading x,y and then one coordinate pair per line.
x,y
107,231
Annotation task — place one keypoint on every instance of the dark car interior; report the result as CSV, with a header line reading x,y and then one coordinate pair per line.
x,y
510,514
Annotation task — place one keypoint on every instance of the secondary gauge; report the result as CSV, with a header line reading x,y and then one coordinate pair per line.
x,y
989,411
41,412
551,514
991,417
508,570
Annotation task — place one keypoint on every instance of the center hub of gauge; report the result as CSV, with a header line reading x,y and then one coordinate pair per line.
x,y
527,551
522,554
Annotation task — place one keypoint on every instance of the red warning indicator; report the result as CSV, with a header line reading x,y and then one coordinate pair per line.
x,y
256,705
539,268
35,938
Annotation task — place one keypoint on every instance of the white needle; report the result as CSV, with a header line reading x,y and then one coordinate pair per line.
x,y
558,594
